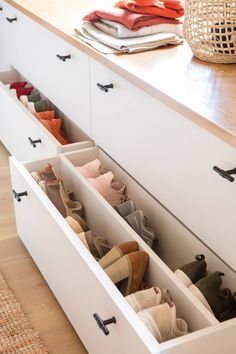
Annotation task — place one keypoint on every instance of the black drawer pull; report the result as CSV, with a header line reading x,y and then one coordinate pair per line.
x,y
226,174
103,323
63,57
18,196
0,8
11,19
105,88
34,142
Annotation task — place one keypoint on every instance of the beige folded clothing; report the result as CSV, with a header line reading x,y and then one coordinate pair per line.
x,y
125,45
118,30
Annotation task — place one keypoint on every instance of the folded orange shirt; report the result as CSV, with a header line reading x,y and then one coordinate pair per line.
x,y
54,127
131,20
45,115
170,9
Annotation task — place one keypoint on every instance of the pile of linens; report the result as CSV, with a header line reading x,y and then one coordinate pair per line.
x,y
133,26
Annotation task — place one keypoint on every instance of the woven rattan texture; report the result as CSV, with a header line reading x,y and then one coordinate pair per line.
x,y
210,29
16,333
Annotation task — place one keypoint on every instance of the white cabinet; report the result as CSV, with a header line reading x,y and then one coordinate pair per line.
x,y
165,161
73,274
170,156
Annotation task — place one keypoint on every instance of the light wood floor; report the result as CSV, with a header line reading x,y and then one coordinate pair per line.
x,y
25,280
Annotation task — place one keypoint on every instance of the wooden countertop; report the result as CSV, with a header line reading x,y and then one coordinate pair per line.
x,y
203,92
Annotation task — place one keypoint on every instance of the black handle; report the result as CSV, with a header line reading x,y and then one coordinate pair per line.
x,y
34,142
105,88
103,323
0,8
11,19
225,174
63,57
18,196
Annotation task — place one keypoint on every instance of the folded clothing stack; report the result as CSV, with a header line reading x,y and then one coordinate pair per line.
x,y
32,100
133,26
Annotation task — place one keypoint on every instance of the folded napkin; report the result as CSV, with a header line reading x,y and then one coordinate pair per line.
x,y
171,9
117,30
128,45
127,18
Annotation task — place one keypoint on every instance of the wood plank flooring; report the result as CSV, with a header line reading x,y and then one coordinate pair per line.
x,y
25,280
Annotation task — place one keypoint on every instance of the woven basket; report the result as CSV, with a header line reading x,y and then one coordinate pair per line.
x,y
210,29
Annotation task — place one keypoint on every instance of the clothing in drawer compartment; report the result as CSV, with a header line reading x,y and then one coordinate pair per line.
x,y
40,108
113,190
70,209
124,263
207,288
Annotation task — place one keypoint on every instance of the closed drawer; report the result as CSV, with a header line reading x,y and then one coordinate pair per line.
x,y
65,83
73,274
3,41
23,135
170,156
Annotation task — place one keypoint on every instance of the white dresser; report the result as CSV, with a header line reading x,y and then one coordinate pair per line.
x,y
164,158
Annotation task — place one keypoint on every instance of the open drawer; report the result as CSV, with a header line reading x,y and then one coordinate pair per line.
x,y
54,66
82,287
23,135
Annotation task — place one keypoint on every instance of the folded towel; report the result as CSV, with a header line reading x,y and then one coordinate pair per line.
x,y
127,18
130,45
171,9
117,30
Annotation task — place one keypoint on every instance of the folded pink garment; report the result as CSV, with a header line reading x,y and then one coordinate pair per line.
x,y
127,18
164,8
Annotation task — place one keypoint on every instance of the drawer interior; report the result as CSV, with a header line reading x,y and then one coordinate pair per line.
x,y
105,221
172,234
71,130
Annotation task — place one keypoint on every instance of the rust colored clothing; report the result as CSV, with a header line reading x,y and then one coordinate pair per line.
x,y
170,9
132,21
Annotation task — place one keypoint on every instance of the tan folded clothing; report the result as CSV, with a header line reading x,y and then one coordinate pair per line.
x,y
118,30
127,45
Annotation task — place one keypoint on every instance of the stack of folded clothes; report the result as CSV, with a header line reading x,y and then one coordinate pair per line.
x,y
133,26
32,100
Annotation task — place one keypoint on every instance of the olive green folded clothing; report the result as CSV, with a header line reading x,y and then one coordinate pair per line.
x,y
38,106
33,97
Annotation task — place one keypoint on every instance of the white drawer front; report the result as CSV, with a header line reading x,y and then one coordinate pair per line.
x,y
78,282
4,44
65,83
170,156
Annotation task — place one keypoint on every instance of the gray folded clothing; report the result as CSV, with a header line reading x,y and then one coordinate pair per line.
x,y
125,45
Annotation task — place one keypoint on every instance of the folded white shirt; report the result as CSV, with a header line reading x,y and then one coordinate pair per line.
x,y
126,45
118,30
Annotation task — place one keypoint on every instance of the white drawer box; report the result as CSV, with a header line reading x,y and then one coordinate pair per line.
x,y
18,124
170,156
33,51
73,274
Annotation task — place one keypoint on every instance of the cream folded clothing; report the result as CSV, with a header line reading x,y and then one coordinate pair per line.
x,y
127,45
118,30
